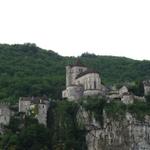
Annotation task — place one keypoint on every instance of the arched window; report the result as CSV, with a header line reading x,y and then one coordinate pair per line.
x,y
94,84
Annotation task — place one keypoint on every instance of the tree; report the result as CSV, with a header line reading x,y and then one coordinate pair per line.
x,y
34,137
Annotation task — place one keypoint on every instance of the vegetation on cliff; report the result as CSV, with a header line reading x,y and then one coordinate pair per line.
x,y
62,132
27,70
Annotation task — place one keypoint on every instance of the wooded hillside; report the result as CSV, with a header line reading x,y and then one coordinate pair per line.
x,y
27,70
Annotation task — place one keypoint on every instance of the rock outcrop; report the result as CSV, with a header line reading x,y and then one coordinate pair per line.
x,y
125,133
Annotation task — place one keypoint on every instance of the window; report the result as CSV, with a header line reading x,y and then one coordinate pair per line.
x,y
80,70
94,84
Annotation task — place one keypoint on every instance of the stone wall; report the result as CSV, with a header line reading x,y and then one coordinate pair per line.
x,y
146,90
64,94
72,73
146,87
90,81
127,99
42,113
68,76
123,90
24,106
74,92
37,108
5,115
91,92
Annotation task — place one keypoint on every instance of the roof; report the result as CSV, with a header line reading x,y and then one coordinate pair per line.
x,y
34,100
86,72
77,64
146,83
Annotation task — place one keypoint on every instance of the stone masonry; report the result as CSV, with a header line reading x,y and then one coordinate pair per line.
x,y
81,81
36,106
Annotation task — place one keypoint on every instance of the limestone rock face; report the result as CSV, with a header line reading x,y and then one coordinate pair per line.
x,y
146,87
124,134
127,99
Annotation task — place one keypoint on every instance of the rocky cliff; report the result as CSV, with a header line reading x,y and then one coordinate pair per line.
x,y
125,133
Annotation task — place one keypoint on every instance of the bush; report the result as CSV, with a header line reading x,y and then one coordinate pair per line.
x,y
95,105
139,110
115,109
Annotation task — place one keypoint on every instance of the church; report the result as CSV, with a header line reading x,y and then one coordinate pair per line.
x,y
81,81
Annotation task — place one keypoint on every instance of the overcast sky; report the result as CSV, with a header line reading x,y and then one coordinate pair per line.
x,y
71,27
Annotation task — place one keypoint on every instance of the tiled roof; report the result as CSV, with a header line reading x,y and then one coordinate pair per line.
x,y
35,100
86,72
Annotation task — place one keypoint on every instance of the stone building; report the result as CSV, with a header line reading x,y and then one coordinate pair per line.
x,y
35,106
127,98
146,87
81,81
123,90
5,115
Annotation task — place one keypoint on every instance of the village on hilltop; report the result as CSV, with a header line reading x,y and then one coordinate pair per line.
x,y
81,81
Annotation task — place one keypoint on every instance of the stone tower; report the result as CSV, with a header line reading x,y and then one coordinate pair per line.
x,y
81,81
68,76
72,71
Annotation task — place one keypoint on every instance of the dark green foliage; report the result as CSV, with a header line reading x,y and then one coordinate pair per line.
x,y
28,120
27,70
117,69
66,134
34,137
148,99
14,124
63,131
95,105
137,88
139,110
98,105
9,141
25,134
116,109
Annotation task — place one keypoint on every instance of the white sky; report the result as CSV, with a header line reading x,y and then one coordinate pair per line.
x,y
71,27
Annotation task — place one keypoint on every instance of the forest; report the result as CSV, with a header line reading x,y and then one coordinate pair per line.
x,y
27,70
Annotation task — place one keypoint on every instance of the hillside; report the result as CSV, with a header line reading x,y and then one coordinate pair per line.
x,y
27,70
